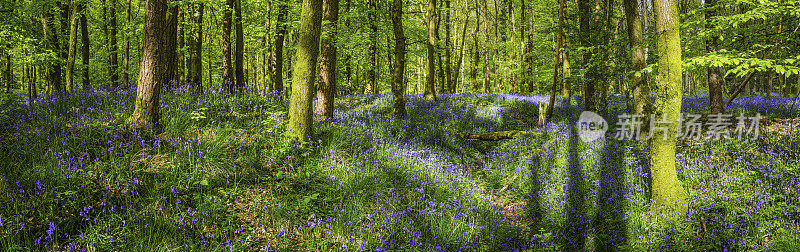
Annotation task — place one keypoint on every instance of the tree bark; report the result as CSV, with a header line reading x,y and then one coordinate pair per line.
x,y
399,70
195,44
714,73
585,14
372,70
301,116
227,71
54,71
112,37
180,60
157,47
326,87
558,68
126,76
669,196
641,89
277,49
85,51
448,50
239,61
73,40
430,83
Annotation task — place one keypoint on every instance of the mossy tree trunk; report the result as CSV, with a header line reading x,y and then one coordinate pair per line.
x,y
304,75
430,82
85,50
195,44
641,89
73,40
112,40
326,87
372,70
667,193
399,70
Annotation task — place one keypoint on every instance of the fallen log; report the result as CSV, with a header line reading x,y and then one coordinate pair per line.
x,y
493,136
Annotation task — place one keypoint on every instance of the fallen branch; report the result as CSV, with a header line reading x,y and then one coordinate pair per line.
x,y
493,136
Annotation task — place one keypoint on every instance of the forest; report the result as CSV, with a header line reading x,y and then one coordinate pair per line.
x,y
399,125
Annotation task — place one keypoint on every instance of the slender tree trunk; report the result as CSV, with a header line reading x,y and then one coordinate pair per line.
x,y
430,83
85,50
669,196
641,89
558,68
73,40
157,51
440,77
398,72
227,71
585,14
487,85
326,87
714,74
195,44
371,85
170,78
448,50
459,61
476,56
301,116
112,36
181,55
277,49
126,76
54,71
239,61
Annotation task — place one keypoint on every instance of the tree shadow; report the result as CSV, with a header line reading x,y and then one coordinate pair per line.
x,y
609,224
575,229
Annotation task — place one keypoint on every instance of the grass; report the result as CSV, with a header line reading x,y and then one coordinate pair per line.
x,y
224,176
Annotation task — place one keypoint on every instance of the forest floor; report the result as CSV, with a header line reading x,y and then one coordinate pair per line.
x,y
223,175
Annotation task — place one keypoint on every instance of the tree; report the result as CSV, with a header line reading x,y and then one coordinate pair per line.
x,y
239,60
667,192
714,74
398,72
277,49
73,40
372,70
430,83
227,74
641,89
585,13
157,53
301,116
126,78
85,51
112,36
326,87
558,77
195,43
54,71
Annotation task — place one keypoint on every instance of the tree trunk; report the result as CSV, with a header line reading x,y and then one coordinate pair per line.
x,y
301,116
326,87
487,86
239,61
398,72
558,68
669,196
54,71
458,68
641,89
181,55
714,73
371,86
157,47
126,76
277,49
448,53
195,44
585,14
430,83
227,73
85,51
112,37
528,76
73,40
